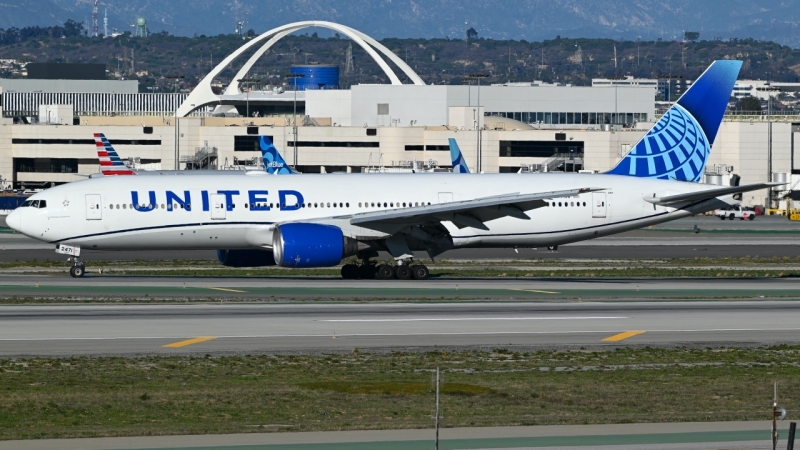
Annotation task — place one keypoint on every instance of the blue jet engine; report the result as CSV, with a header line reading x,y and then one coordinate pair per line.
x,y
310,245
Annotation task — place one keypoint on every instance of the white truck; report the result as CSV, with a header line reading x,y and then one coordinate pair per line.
x,y
736,212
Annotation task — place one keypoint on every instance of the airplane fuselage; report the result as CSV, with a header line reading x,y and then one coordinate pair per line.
x,y
240,210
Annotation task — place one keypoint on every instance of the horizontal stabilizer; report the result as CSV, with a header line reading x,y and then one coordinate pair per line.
x,y
708,194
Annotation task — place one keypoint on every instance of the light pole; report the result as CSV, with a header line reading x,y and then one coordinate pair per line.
x,y
295,76
769,90
248,80
177,127
478,77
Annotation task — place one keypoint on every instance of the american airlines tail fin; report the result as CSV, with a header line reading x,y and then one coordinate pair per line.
x,y
459,165
678,146
110,162
273,161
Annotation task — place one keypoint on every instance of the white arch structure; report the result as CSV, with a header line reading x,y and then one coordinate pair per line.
x,y
202,95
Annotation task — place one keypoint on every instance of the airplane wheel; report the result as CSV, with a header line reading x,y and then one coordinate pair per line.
x,y
553,248
366,272
77,271
420,272
402,272
385,272
350,271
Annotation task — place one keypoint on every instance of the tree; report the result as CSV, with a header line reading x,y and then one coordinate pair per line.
x,y
749,104
691,36
72,28
472,33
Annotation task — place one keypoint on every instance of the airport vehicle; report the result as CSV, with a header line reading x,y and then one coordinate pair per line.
x,y
254,219
736,212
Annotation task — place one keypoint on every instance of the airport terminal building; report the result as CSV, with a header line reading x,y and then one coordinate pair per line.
x,y
47,127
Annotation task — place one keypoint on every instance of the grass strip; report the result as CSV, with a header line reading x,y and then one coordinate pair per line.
x,y
91,397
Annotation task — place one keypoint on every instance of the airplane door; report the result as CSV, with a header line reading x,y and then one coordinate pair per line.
x,y
445,197
217,206
598,204
94,210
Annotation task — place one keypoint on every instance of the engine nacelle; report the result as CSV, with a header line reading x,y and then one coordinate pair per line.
x,y
310,245
245,258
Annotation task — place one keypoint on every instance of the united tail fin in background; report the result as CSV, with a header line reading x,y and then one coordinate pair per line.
x,y
678,146
110,162
459,165
273,161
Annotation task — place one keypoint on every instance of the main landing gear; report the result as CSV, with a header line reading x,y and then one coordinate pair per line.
x,y
78,269
369,271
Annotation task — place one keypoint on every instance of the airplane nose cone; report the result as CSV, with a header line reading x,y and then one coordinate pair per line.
x,y
14,220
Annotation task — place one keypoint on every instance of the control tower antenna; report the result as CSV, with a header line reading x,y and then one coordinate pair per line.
x,y
94,19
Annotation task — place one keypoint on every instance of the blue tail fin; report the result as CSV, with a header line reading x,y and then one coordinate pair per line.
x,y
459,165
273,161
678,146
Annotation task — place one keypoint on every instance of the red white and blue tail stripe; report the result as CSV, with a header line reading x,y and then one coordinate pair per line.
x,y
110,162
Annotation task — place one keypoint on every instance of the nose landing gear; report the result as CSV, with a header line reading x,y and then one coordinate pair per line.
x,y
78,269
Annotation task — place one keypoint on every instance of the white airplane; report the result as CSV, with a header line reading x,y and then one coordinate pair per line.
x,y
254,219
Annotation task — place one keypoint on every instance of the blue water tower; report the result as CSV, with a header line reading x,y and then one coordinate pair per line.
x,y
317,76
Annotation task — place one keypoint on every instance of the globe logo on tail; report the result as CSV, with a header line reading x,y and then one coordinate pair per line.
x,y
676,148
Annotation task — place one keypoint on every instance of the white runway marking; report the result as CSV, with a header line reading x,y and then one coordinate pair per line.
x,y
461,319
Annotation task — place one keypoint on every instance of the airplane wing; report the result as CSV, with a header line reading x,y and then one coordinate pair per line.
x,y
468,213
708,194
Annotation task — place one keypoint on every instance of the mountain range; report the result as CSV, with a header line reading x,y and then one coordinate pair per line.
x,y
532,20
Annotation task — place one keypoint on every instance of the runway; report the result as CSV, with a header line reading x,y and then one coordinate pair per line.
x,y
451,287
46,330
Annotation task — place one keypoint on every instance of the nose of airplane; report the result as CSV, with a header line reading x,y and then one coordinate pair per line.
x,y
14,220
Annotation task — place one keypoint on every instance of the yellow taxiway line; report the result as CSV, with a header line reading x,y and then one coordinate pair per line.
x,y
622,336
537,291
196,340
224,289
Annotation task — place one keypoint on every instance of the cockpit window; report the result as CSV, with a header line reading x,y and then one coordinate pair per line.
x,y
34,204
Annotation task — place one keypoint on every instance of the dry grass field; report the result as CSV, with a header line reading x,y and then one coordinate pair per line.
x,y
83,397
